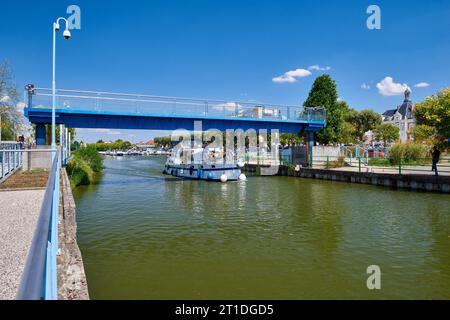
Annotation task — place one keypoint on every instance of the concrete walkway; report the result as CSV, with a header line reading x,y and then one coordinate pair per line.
x,y
406,170
19,212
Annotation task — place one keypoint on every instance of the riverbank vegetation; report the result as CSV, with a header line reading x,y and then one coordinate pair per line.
x,y
85,164
433,118
344,124
119,144
405,153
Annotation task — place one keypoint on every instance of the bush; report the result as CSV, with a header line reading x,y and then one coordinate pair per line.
x,y
338,163
79,172
81,169
91,156
408,153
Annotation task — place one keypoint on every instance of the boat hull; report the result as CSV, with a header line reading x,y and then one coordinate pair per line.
x,y
203,172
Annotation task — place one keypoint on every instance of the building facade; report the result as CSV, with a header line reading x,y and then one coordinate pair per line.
x,y
402,117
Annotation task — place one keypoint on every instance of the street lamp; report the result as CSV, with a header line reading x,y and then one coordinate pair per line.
x,y
66,35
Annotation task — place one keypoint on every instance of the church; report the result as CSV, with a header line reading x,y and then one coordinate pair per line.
x,y
402,117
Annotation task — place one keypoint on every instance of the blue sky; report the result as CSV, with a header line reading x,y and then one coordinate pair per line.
x,y
233,50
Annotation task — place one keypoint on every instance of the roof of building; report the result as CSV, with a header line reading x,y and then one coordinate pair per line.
x,y
405,109
389,113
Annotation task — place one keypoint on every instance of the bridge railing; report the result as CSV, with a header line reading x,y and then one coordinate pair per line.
x,y
10,158
39,278
174,106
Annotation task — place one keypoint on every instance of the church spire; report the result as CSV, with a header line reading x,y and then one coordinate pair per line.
x,y
407,95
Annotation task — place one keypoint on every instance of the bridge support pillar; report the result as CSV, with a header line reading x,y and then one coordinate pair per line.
x,y
310,144
40,134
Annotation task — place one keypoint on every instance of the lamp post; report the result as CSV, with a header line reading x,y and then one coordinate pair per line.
x,y
66,35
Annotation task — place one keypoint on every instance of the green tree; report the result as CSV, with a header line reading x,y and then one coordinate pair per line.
x,y
11,118
424,133
434,112
366,120
48,133
324,94
348,134
386,132
163,142
290,139
348,114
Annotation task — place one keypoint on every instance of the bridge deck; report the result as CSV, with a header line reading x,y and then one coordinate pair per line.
x,y
90,109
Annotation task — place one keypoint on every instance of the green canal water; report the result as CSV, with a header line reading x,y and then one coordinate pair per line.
x,y
144,235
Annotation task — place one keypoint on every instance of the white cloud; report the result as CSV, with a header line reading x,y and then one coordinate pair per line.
x,y
365,86
422,85
292,75
113,133
319,68
387,87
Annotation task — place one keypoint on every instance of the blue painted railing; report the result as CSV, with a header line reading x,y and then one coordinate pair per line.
x,y
102,102
39,278
10,158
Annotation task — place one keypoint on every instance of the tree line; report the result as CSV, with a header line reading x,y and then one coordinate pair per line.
x,y
347,125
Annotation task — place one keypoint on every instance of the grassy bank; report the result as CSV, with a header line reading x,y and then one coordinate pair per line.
x,y
84,165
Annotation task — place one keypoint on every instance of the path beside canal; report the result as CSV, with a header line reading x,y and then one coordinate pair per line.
x,y
18,215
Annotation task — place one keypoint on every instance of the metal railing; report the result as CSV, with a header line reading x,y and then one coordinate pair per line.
x,y
176,106
374,164
10,158
39,278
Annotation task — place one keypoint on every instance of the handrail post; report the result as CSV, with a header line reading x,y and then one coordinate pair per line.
x,y
400,166
359,164
14,156
328,162
19,154
69,144
29,158
61,142
9,159
3,161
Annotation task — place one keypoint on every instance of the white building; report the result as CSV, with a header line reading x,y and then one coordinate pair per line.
x,y
402,117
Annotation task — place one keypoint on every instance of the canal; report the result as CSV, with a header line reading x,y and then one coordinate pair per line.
x,y
144,235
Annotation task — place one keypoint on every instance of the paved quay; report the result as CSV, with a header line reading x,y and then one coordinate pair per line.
x,y
19,212
406,170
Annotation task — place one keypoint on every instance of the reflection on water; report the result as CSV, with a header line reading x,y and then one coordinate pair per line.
x,y
145,235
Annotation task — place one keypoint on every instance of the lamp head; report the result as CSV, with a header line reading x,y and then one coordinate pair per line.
x,y
66,34
56,26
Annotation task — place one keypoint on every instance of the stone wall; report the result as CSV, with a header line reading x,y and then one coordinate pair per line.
x,y
72,284
416,182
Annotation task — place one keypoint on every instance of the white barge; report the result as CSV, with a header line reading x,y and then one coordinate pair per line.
x,y
204,167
